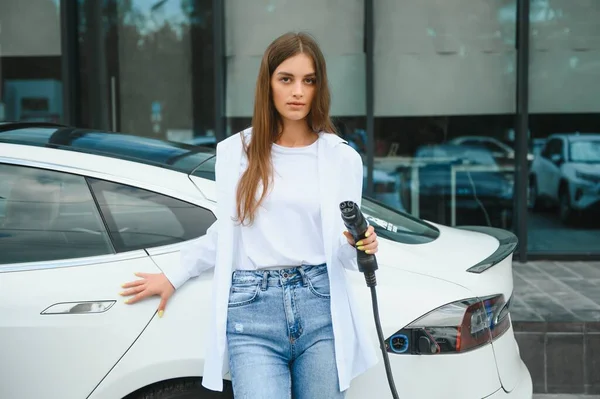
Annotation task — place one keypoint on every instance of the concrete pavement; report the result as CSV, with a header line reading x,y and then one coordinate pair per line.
x,y
556,291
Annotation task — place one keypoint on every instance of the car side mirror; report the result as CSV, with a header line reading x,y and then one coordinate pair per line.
x,y
557,159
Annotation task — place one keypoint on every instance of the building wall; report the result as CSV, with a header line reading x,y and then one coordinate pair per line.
x,y
444,81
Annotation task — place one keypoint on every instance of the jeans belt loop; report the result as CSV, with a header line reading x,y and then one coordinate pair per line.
x,y
265,281
303,274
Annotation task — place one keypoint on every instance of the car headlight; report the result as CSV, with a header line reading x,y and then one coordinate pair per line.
x,y
453,328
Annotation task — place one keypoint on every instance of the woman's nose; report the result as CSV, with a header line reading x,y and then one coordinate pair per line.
x,y
298,90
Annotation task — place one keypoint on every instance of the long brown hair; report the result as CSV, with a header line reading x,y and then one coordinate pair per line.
x,y
267,124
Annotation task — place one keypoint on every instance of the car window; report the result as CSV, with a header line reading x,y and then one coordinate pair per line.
x,y
397,226
206,169
488,145
560,148
138,218
456,153
552,147
47,215
586,151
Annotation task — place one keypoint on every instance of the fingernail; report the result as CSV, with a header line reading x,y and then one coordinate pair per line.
x,y
368,251
122,293
359,243
123,285
126,301
360,248
160,313
367,234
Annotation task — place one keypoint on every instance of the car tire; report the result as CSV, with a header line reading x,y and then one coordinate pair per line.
x,y
184,388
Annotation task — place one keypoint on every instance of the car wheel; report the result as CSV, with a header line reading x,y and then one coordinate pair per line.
x,y
184,388
565,212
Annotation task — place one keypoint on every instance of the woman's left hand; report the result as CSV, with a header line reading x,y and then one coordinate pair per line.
x,y
368,244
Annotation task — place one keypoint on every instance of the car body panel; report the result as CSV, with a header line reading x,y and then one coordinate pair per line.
x,y
67,355
508,359
167,350
523,389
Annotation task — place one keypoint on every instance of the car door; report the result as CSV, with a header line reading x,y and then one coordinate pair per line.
x,y
63,324
557,158
544,168
155,222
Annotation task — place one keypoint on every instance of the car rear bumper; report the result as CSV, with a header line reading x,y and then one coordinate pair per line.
x,y
523,390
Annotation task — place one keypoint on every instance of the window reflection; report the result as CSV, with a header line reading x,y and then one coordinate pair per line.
x,y
250,28
564,191
147,67
30,61
47,215
445,75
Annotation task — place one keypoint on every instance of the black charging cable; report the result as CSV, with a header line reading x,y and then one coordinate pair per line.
x,y
367,264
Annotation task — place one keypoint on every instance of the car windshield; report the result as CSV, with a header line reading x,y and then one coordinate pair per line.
x,y
587,151
395,225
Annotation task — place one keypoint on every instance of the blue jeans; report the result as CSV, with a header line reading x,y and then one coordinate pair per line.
x,y
279,335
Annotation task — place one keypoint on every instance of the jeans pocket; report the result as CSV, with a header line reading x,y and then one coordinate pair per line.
x,y
319,285
241,295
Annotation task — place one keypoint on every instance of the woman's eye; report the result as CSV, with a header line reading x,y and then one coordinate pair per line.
x,y
310,81
285,80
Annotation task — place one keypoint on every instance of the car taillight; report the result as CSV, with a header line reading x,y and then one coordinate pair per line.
x,y
453,328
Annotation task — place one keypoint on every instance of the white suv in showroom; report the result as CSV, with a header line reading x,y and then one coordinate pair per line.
x,y
567,174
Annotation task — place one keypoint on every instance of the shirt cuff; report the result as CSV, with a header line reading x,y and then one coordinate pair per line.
x,y
177,275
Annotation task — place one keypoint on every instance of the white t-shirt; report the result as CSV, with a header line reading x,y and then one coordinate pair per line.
x,y
287,228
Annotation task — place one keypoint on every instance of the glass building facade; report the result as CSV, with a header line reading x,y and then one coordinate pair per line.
x,y
465,111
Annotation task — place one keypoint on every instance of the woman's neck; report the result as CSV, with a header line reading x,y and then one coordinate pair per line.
x,y
296,134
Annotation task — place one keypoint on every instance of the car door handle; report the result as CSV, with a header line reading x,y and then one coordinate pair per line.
x,y
88,307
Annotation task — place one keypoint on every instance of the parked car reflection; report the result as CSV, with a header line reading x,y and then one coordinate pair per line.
x,y
502,152
566,175
386,188
458,184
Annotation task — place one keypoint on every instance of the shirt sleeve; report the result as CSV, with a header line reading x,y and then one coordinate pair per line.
x,y
352,191
195,257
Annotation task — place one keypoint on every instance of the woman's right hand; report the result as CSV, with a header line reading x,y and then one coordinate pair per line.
x,y
147,286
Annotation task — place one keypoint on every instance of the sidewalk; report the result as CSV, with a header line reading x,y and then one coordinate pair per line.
x,y
556,318
556,291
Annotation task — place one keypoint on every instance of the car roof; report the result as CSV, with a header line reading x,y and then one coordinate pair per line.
x,y
576,136
161,153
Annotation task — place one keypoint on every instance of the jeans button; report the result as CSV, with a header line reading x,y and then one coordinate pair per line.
x,y
285,275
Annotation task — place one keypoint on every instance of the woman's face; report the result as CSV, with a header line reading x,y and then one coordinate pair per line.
x,y
294,85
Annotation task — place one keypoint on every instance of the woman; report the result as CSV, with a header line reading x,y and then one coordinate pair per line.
x,y
284,321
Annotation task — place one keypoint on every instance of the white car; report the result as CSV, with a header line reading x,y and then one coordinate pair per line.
x,y
567,174
82,211
501,151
